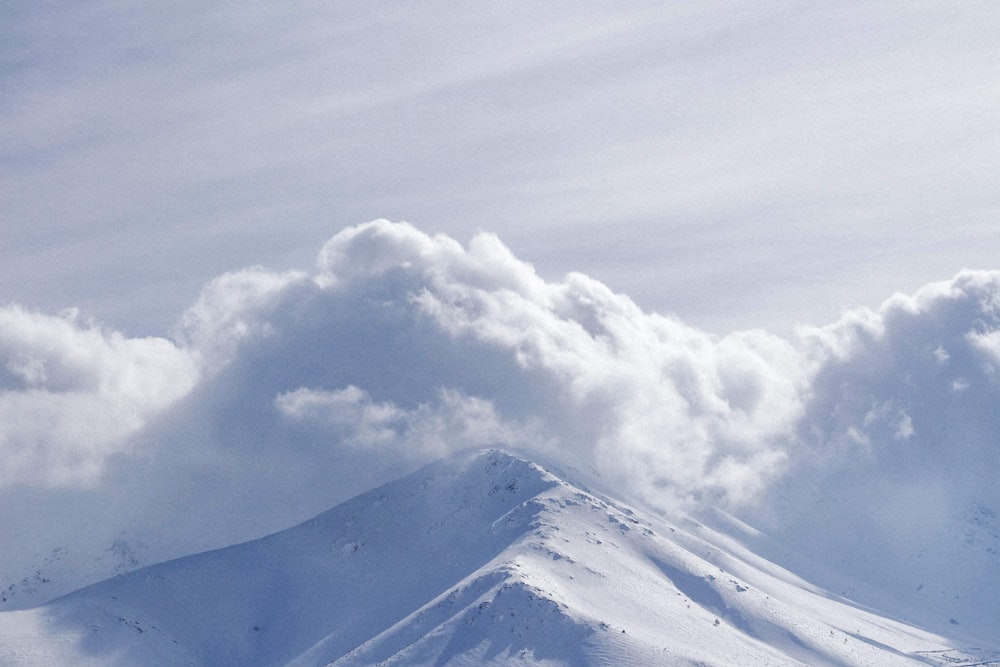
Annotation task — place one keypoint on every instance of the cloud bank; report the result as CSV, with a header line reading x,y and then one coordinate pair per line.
x,y
399,340
283,392
414,345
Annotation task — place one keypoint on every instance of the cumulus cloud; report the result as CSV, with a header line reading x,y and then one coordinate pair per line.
x,y
897,442
284,392
229,310
407,343
414,343
288,391
653,404
72,394
892,374
398,330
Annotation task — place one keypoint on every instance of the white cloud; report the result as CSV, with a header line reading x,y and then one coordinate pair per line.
x,y
657,405
451,422
290,391
941,355
413,344
904,427
349,413
897,440
73,393
229,310
402,338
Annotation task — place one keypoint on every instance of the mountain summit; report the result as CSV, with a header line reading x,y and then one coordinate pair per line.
x,y
482,558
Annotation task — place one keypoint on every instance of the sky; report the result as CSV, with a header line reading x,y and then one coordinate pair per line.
x,y
739,165
257,261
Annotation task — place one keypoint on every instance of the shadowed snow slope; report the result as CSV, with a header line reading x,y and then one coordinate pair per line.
x,y
481,558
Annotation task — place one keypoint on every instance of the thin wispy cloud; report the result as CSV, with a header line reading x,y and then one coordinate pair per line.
x,y
177,143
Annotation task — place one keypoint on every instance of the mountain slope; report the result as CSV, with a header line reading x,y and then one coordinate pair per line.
x,y
483,558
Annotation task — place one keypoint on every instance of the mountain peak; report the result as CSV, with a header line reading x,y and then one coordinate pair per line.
x,y
480,558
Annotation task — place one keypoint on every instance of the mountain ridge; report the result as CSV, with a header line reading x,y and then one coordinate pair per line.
x,y
480,558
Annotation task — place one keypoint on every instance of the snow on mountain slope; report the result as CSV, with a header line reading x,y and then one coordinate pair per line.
x,y
482,558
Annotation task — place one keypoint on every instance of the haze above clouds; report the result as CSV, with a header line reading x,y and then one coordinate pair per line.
x,y
738,166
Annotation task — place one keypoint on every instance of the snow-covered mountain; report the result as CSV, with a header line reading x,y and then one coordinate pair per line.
x,y
481,558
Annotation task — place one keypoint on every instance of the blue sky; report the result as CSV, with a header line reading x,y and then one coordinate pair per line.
x,y
740,165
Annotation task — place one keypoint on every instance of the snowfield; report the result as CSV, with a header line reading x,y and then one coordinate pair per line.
x,y
481,558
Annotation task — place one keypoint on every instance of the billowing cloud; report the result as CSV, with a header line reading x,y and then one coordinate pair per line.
x,y
229,310
898,443
72,394
398,330
288,391
649,402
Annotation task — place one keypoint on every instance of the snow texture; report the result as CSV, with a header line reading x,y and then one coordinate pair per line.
x,y
481,558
